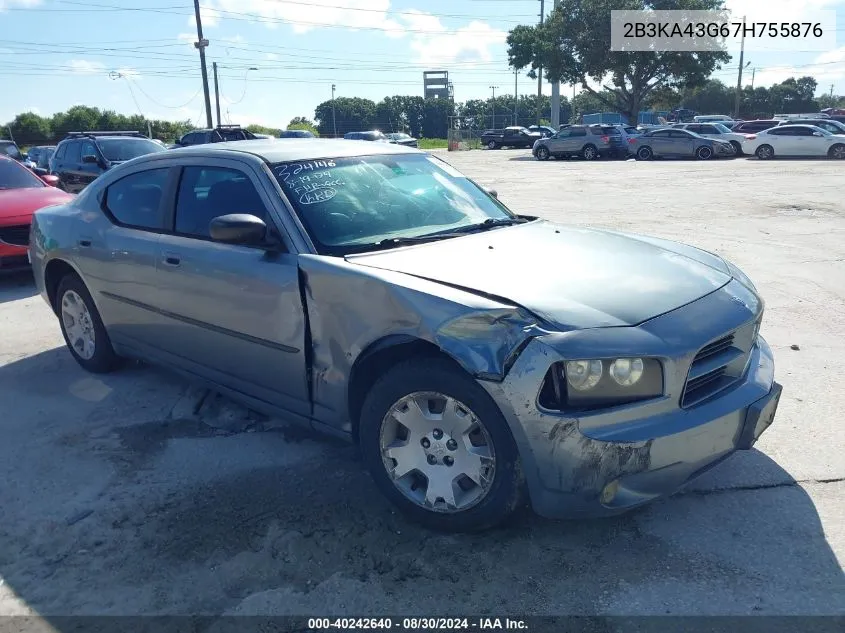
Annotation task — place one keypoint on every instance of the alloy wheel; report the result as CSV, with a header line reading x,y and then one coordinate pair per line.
x,y
78,325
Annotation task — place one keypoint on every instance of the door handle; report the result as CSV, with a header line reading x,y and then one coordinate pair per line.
x,y
85,243
172,259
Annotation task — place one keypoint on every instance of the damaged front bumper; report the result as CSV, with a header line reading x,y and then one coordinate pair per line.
x,y
605,462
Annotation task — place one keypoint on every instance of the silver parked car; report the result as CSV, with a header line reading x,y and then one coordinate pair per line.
x,y
677,143
369,290
587,141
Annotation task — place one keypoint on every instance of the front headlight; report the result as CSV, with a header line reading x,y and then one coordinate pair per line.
x,y
740,276
597,383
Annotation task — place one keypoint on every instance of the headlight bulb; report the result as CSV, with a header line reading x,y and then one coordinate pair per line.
x,y
584,374
626,371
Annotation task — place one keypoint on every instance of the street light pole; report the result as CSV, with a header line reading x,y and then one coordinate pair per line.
x,y
515,96
739,76
493,88
334,117
216,92
201,45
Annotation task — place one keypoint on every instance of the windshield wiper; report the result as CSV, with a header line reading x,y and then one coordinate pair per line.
x,y
462,230
489,223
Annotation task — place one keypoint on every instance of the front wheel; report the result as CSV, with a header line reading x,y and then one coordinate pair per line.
x,y
737,148
704,153
837,151
644,153
492,145
82,327
765,152
542,153
438,447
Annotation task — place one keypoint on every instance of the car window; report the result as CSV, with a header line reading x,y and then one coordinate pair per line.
x,y
804,130
61,150
11,149
135,200
680,134
577,131
707,129
362,203
121,149
73,154
564,133
209,192
661,133
88,149
15,176
781,131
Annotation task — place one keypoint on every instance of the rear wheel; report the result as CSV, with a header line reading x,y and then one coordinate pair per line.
x,y
737,147
543,153
837,151
82,328
644,153
765,152
492,145
438,447
589,152
704,153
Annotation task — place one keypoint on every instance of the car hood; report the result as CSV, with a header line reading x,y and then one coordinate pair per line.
x,y
570,277
22,202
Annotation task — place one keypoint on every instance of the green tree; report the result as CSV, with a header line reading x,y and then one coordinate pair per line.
x,y
263,129
301,123
29,128
831,101
435,119
352,114
713,97
573,46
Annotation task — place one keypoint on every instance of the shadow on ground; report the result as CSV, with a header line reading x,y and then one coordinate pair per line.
x,y
110,505
16,285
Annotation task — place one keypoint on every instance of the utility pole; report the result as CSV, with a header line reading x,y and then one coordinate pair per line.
x,y
516,95
540,71
831,91
556,96
753,74
739,77
201,45
216,92
493,88
334,118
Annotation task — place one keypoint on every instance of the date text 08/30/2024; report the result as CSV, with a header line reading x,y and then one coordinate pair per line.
x,y
417,624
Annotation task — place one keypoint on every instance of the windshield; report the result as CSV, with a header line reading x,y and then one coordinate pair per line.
x,y
119,149
352,204
724,129
10,149
14,176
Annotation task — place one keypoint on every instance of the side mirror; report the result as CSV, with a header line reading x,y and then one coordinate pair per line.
x,y
238,228
492,192
50,179
90,158
817,134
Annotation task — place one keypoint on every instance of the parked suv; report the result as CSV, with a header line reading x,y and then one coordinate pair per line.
x,y
587,141
82,156
372,135
218,134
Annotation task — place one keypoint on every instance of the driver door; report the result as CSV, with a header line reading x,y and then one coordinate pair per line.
x,y
234,312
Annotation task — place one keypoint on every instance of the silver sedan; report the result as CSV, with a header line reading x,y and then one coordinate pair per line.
x,y
678,143
370,291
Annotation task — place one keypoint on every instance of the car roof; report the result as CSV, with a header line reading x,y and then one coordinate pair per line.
x,y
274,151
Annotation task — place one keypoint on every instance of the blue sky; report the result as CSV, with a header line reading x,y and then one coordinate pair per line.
x,y
137,55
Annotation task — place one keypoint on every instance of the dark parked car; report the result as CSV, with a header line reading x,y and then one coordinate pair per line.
x,y
370,291
219,134
752,127
513,136
83,156
400,138
677,143
371,135
587,141
296,134
11,149
831,125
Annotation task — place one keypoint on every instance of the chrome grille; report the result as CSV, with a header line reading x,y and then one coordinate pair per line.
x,y
17,235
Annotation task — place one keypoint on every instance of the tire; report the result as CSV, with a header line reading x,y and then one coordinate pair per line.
x,y
837,152
765,152
492,145
737,148
704,153
488,501
589,152
543,153
95,354
645,153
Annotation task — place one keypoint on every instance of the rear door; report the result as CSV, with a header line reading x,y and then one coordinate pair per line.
x,y
234,312
659,142
783,141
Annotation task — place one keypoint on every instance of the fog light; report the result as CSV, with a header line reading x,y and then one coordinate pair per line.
x,y
609,492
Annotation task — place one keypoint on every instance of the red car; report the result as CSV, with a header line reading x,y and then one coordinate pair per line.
x,y
22,193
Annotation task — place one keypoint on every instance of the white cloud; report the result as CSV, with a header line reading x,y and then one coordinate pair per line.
x,y
271,56
26,4
433,44
210,18
826,68
86,67
33,109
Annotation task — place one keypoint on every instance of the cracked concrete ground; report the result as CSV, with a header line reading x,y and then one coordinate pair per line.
x,y
131,494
